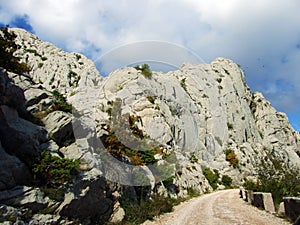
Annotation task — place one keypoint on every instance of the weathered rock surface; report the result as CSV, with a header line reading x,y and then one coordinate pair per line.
x,y
26,197
191,115
59,127
12,172
53,68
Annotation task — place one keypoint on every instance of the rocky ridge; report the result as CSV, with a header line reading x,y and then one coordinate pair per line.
x,y
195,114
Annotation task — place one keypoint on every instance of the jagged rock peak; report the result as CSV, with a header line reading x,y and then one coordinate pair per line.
x,y
54,68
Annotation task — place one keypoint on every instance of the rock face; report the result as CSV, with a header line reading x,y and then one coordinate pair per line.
x,y
169,127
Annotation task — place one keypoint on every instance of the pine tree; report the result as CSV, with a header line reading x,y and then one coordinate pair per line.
x,y
8,47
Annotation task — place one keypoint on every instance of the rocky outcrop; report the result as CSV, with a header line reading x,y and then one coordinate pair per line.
x,y
53,68
59,127
13,171
18,136
164,130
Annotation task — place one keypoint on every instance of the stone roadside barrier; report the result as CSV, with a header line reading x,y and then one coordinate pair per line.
x,y
292,208
264,201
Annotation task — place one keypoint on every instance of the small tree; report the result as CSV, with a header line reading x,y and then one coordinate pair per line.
x,y
145,70
8,47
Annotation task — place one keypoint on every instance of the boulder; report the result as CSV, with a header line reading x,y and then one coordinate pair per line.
x,y
26,197
45,219
86,199
264,201
59,127
10,94
18,136
292,207
118,214
12,171
34,96
8,213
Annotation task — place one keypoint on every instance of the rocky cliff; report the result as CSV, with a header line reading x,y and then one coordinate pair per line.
x,y
162,130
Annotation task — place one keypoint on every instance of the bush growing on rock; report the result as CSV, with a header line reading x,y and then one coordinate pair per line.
x,y
53,170
231,157
60,102
226,181
277,178
145,70
7,49
211,177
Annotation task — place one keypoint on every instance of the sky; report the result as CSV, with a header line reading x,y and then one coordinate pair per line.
x,y
263,36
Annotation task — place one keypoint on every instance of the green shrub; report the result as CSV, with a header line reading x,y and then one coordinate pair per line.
x,y
226,181
277,178
231,157
52,170
137,213
193,159
60,102
211,177
192,192
230,126
151,99
8,47
183,83
219,79
145,70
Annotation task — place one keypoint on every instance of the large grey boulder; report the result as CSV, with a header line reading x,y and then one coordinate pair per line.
x,y
59,127
10,94
26,197
45,219
18,136
8,213
86,199
12,171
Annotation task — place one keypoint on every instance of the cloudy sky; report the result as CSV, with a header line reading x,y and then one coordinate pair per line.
x,y
263,36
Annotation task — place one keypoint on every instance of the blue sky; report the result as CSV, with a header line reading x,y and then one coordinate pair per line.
x,y
263,36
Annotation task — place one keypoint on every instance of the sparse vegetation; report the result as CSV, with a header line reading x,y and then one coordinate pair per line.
x,y
231,157
211,177
146,209
276,177
219,80
193,158
60,102
52,171
145,70
229,126
7,49
151,99
226,181
183,83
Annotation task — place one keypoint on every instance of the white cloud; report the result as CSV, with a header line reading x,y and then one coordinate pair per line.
x,y
260,35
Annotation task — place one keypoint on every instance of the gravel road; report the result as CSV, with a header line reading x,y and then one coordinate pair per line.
x,y
217,208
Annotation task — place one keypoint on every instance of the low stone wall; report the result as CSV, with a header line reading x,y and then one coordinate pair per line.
x,y
264,201
292,207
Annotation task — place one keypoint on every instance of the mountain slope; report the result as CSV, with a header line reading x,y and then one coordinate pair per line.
x,y
136,132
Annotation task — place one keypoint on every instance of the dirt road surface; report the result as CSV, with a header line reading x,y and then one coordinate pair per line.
x,y
217,208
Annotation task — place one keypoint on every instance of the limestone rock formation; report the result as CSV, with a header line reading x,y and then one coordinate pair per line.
x,y
164,130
